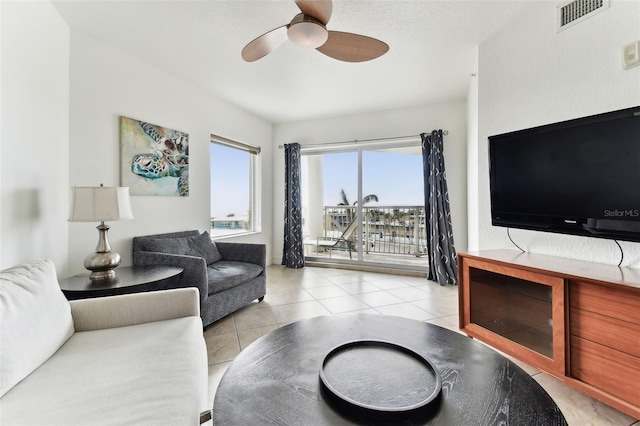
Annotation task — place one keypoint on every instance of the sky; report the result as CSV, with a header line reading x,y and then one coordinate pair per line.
x,y
229,181
396,178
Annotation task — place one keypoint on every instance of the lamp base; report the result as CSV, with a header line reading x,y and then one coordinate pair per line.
x,y
102,265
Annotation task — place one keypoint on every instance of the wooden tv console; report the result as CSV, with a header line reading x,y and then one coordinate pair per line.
x,y
578,321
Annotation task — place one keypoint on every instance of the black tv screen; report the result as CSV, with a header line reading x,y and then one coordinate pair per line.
x,y
579,177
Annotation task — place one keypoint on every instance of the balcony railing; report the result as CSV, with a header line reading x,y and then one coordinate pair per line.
x,y
398,230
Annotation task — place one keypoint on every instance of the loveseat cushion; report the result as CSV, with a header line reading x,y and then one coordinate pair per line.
x,y
198,245
146,374
35,320
225,274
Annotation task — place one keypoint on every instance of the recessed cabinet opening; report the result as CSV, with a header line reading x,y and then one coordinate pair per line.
x,y
514,308
517,311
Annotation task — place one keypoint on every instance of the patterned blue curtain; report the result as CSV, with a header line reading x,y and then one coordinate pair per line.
x,y
443,262
293,251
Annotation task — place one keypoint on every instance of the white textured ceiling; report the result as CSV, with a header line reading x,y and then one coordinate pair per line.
x,y
431,56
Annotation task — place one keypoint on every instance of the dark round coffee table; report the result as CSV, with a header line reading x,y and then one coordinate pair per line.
x,y
275,380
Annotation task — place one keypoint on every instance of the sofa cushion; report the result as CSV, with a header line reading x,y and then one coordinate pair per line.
x,y
35,320
147,374
198,245
225,274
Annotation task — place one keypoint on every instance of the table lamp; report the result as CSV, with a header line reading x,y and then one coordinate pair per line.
x,y
100,204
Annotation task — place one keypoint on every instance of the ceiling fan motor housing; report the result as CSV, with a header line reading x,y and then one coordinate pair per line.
x,y
307,31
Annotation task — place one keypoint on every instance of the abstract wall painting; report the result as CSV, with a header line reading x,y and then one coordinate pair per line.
x,y
154,159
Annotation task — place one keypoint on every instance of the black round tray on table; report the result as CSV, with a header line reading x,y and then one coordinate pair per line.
x,y
380,376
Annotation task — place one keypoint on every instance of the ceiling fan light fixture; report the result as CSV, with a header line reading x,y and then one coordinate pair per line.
x,y
309,29
306,31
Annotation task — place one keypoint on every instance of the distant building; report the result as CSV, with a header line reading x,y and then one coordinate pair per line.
x,y
231,222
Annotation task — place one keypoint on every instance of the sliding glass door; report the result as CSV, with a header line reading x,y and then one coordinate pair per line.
x,y
394,225
329,193
365,206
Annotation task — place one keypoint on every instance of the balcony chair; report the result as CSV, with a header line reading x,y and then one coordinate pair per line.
x,y
343,242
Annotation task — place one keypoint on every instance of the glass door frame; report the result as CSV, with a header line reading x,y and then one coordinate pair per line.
x,y
359,148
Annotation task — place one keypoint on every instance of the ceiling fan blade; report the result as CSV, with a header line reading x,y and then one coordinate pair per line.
x,y
265,44
350,47
319,9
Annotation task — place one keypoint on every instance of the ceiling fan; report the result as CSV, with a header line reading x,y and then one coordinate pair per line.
x,y
308,29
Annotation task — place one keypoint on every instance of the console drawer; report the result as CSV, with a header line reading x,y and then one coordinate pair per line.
x,y
612,371
611,332
612,302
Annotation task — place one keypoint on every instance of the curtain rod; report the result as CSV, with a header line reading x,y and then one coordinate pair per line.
x,y
444,132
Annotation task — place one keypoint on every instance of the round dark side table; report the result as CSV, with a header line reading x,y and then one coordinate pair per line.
x,y
128,279
275,380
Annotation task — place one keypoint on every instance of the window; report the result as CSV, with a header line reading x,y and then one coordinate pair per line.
x,y
235,192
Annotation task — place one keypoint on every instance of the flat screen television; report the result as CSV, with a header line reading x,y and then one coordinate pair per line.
x,y
579,177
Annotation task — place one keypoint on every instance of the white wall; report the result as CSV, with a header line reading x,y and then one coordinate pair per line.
x,y
107,83
34,149
472,162
385,124
530,75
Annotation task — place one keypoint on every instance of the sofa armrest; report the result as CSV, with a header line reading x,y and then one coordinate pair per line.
x,y
194,268
135,308
244,252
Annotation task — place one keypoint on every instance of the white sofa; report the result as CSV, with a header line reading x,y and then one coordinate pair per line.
x,y
137,359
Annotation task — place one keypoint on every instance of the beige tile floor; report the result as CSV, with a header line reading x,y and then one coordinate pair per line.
x,y
295,294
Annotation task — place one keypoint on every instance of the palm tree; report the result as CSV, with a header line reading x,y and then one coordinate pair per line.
x,y
345,202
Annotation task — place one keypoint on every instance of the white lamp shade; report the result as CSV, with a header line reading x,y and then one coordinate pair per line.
x,y
100,204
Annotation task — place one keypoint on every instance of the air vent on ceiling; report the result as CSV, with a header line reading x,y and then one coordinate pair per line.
x,y
573,12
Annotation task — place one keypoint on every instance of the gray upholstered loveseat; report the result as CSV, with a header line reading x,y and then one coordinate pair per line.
x,y
228,275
